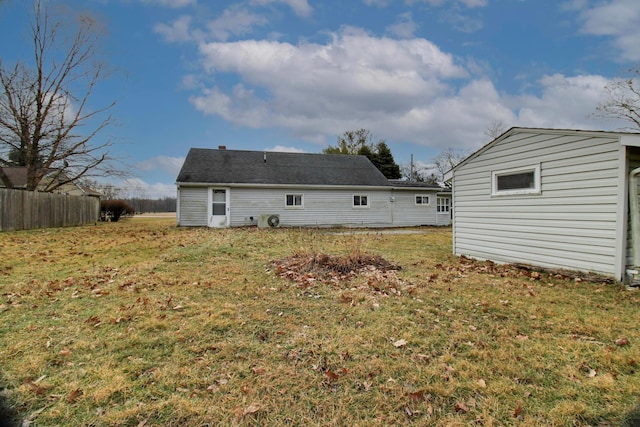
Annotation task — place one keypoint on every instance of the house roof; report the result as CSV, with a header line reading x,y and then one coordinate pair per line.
x,y
413,184
17,176
207,166
515,130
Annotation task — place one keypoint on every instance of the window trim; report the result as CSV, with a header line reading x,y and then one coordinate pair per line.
x,y
353,202
294,206
443,205
415,200
513,171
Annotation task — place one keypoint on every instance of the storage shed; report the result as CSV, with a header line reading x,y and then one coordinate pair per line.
x,y
231,188
557,199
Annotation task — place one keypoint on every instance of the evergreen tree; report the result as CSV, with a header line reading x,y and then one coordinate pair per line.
x,y
385,162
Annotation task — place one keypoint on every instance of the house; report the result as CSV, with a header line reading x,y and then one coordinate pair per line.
x,y
18,177
231,188
558,199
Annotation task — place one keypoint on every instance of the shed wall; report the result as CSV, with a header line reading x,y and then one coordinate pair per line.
x,y
570,224
193,207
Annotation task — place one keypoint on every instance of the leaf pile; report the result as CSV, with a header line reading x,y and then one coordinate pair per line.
x,y
308,269
470,265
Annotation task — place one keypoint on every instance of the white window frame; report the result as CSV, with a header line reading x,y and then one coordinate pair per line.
x,y
294,196
422,197
520,191
443,207
353,201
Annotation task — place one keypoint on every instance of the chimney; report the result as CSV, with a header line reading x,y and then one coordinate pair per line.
x,y
222,147
265,157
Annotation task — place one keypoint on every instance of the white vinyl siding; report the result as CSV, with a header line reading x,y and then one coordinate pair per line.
x,y
330,207
407,213
568,223
193,207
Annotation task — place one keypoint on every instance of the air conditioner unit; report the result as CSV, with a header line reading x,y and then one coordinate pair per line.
x,y
268,220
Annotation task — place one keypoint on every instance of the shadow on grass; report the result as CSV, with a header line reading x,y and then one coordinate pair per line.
x,y
8,418
632,419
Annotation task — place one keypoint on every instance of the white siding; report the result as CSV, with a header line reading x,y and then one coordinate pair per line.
x,y
571,224
407,213
192,210
321,207
332,207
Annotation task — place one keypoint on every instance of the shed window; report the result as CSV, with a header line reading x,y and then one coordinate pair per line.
x,y
294,201
444,204
422,200
360,201
516,181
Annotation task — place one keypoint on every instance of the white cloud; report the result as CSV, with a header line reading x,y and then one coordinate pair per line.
x,y
171,3
177,31
379,3
285,149
137,188
300,7
618,19
467,3
234,21
565,102
405,27
402,90
170,165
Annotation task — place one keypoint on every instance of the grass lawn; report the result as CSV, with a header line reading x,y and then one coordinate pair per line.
x,y
140,323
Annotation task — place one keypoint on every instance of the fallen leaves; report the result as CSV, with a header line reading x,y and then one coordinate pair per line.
x,y
621,342
399,343
306,270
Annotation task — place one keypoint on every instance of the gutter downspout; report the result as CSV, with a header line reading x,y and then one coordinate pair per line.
x,y
634,273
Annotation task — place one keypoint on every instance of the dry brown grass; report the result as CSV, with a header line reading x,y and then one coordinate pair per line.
x,y
142,323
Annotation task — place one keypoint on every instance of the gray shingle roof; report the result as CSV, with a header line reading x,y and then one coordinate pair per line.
x,y
249,167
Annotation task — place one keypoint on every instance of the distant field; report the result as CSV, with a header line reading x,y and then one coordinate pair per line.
x,y
141,323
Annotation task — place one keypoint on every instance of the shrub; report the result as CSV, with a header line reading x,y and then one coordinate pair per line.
x,y
112,210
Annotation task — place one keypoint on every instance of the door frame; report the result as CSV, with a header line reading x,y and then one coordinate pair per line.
x,y
218,221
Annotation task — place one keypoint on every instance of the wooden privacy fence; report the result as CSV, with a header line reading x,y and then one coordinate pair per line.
x,y
25,210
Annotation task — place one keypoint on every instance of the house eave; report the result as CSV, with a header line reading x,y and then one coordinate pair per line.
x,y
308,186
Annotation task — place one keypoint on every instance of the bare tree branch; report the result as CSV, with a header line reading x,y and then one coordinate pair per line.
x,y
623,100
46,124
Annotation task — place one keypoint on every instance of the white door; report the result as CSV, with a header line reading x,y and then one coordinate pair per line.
x,y
218,214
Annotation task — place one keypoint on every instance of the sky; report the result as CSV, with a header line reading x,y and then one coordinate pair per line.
x,y
293,75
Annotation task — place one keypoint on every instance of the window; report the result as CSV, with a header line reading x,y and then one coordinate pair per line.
x,y
360,201
294,201
444,204
219,202
422,200
516,181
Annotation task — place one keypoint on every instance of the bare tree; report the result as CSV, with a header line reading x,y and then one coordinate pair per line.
x,y
495,129
352,142
446,160
46,123
623,99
